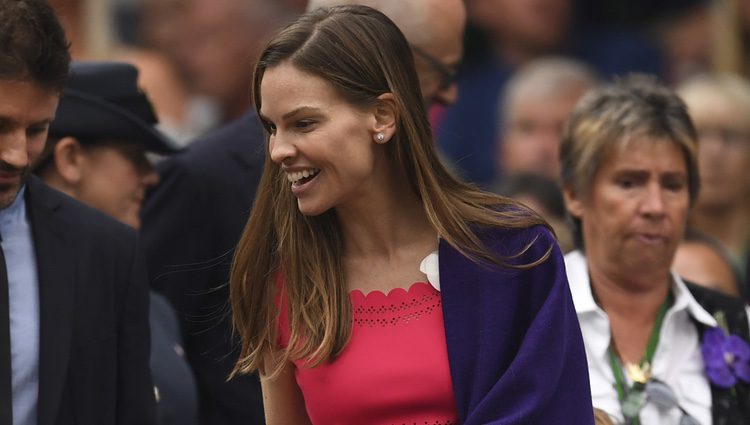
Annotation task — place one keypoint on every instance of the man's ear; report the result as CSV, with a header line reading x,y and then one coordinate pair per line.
x,y
68,160
385,114
573,201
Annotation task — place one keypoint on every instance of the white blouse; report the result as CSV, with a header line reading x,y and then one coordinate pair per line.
x,y
677,361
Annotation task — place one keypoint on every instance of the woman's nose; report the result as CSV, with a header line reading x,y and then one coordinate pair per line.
x,y
281,149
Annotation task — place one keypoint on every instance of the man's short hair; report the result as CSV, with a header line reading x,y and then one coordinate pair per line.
x,y
33,46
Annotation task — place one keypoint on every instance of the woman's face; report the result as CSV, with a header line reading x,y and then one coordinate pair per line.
x,y
634,215
724,153
114,179
324,144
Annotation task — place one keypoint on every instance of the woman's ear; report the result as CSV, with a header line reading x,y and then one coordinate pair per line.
x,y
385,114
68,161
573,202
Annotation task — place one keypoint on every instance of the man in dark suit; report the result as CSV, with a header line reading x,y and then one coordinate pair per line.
x,y
74,343
192,220
191,223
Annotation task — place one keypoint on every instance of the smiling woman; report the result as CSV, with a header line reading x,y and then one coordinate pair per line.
x,y
372,286
629,171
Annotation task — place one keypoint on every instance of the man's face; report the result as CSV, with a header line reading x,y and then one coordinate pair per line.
x,y
26,110
114,179
437,61
532,135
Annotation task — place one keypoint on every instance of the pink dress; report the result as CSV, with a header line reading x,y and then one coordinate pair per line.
x,y
394,369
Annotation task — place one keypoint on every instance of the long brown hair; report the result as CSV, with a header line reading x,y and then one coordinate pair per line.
x,y
363,55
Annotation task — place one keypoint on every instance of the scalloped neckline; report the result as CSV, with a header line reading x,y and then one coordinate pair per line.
x,y
357,294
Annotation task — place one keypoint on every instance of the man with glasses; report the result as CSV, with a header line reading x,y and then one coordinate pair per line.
x,y
434,28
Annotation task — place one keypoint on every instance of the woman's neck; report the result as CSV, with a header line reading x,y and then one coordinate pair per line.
x,y
632,308
386,217
384,227
385,243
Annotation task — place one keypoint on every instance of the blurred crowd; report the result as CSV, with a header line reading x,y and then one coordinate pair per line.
x,y
498,110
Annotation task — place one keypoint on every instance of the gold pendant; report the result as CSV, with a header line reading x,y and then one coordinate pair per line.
x,y
637,373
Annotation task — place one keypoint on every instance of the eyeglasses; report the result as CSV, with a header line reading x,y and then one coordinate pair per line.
x,y
448,74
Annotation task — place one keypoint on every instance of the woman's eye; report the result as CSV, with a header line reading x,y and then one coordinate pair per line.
x,y
625,183
304,124
675,185
271,127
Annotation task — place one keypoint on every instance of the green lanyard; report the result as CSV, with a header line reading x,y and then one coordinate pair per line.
x,y
632,400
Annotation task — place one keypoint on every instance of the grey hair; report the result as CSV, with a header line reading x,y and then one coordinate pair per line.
x,y
610,117
547,77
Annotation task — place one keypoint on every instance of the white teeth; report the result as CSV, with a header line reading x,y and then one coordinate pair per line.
x,y
299,175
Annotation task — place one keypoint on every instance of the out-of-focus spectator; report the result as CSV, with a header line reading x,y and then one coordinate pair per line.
x,y
434,28
193,219
730,41
677,33
719,104
214,44
515,33
542,195
518,31
683,34
90,24
535,104
523,30
96,153
702,260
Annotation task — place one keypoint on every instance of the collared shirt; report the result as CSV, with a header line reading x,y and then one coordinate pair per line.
x,y
677,361
23,297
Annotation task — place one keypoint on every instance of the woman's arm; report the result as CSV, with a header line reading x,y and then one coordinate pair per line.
x,y
282,399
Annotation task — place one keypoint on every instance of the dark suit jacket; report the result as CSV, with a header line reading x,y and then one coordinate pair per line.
x,y
93,302
177,401
191,223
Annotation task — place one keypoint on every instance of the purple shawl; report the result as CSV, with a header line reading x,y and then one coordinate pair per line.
x,y
514,345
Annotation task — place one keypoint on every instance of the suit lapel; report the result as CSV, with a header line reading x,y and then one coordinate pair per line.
x,y
57,285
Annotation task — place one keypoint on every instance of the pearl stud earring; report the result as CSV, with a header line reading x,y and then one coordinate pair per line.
x,y
380,137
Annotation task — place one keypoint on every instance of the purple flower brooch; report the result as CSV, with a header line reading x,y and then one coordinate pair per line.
x,y
727,357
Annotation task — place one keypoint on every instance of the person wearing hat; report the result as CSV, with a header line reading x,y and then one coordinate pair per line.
x,y
74,331
96,153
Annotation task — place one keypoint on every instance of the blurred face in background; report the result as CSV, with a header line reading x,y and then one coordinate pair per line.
x,y
531,137
701,263
438,57
113,178
533,26
219,43
724,151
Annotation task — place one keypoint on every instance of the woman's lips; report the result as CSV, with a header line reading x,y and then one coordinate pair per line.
x,y
651,238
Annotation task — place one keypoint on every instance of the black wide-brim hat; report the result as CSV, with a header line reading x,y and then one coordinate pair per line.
x,y
102,102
